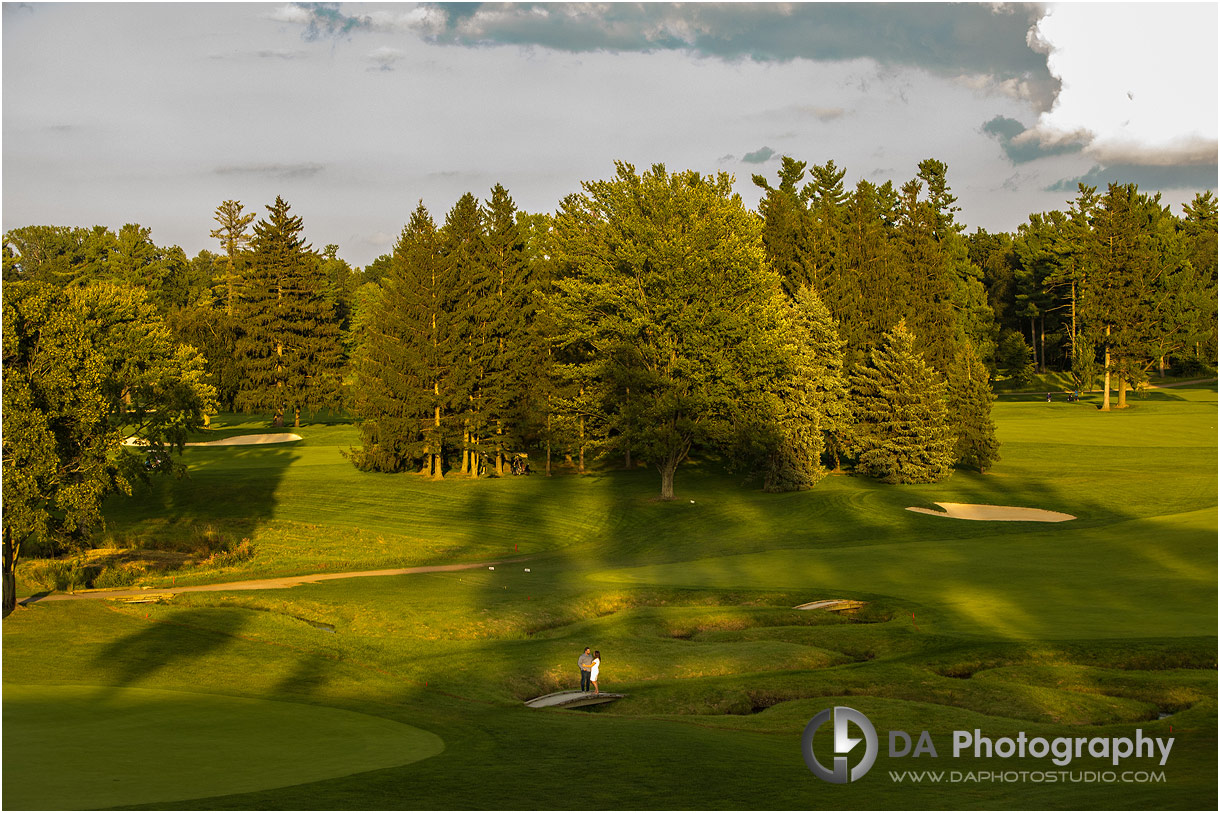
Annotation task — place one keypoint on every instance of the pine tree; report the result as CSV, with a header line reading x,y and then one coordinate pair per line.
x,y
290,349
785,231
969,401
464,259
811,399
512,411
902,432
405,365
874,295
399,360
234,239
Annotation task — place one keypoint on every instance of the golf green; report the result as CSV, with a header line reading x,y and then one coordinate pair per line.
x,y
89,747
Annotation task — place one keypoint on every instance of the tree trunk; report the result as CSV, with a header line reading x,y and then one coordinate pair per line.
x,y
1033,343
499,447
627,459
667,480
1042,342
1122,393
10,573
581,467
1105,398
438,472
296,418
1160,365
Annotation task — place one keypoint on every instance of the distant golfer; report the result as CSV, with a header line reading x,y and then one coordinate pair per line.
x,y
597,666
586,664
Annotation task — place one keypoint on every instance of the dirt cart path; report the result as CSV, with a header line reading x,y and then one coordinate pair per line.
x,y
255,584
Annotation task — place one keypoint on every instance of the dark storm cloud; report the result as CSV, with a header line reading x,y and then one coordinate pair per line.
x,y
964,39
1148,177
1023,150
760,156
278,171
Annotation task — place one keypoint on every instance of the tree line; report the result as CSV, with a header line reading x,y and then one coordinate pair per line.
x,y
651,318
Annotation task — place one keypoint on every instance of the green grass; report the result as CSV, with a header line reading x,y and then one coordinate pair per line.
x,y
114,742
1093,627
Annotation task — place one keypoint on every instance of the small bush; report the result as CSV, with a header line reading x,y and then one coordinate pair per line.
x,y
236,555
122,575
57,574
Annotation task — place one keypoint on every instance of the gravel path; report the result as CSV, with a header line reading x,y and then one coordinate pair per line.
x,y
256,584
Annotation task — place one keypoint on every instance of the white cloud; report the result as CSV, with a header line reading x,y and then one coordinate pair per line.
x,y
1140,77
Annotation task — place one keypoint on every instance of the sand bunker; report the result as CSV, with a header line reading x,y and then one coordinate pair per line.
x,y
831,604
250,440
239,440
993,513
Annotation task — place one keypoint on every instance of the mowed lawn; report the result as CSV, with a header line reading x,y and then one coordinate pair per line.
x,y
1093,627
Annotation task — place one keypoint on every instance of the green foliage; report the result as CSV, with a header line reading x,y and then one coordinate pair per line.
x,y
1014,358
669,290
902,432
969,400
289,347
83,369
812,413
404,363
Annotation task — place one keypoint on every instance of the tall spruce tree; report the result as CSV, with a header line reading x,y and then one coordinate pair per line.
x,y
234,239
290,349
514,358
464,258
785,231
405,362
902,430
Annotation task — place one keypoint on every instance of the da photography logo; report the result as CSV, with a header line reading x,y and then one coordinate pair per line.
x,y
844,743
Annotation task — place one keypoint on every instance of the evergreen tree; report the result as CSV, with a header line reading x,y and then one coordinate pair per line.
x,y
405,365
512,406
464,257
969,400
290,351
902,431
875,295
785,231
234,239
811,411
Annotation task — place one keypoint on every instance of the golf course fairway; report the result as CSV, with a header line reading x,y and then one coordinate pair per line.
x,y
320,696
90,747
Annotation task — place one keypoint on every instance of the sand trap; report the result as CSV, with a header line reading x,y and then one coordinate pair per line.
x,y
993,513
239,440
250,440
831,604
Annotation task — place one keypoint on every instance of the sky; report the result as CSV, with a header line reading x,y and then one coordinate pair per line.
x,y
155,113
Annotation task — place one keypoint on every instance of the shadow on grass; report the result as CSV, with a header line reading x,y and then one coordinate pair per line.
x,y
174,644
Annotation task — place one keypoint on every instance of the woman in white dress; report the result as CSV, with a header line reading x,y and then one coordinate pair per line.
x,y
597,665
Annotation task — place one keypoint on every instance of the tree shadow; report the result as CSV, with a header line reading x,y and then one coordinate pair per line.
x,y
173,644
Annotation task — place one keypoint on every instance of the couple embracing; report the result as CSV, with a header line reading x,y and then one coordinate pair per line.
x,y
590,665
